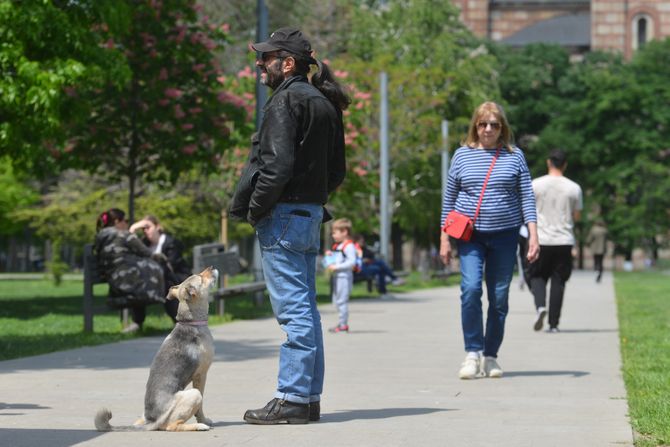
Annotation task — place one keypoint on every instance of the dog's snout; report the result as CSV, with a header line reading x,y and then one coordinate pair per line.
x,y
210,275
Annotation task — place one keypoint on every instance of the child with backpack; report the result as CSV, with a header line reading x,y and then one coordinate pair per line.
x,y
346,259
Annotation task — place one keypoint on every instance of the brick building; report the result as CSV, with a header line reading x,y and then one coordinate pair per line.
x,y
581,25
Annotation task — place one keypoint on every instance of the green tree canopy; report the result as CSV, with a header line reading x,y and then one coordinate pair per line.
x,y
46,48
15,192
436,70
613,120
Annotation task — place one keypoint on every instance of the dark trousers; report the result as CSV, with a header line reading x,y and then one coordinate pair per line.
x,y
598,265
525,265
555,264
139,312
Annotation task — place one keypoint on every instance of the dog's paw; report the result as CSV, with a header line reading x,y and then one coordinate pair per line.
x,y
206,421
202,427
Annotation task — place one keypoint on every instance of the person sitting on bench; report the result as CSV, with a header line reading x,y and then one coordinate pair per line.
x,y
175,267
373,267
127,265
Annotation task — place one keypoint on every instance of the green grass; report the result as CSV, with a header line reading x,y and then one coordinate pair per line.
x,y
37,317
644,320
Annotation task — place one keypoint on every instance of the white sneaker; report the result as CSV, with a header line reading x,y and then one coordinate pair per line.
x,y
470,367
539,319
132,327
490,368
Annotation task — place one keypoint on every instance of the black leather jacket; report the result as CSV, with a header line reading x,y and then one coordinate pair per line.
x,y
297,156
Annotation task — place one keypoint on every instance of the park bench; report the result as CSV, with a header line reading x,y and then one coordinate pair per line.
x,y
92,277
228,264
369,280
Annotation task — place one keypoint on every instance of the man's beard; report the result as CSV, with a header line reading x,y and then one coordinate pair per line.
x,y
273,76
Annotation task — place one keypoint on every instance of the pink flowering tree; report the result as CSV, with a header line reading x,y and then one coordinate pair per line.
x,y
240,89
173,114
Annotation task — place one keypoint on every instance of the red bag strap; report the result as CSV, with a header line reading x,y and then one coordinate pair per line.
x,y
486,180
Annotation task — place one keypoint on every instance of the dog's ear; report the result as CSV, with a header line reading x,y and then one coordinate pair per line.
x,y
191,292
173,293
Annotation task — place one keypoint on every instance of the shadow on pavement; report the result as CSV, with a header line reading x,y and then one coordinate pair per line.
x,y
380,413
240,350
26,437
586,331
136,353
351,415
355,332
5,406
576,374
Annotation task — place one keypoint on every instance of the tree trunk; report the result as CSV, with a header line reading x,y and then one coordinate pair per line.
x,y
132,153
396,242
131,194
654,249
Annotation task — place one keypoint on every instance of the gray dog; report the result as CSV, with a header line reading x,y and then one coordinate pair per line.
x,y
184,357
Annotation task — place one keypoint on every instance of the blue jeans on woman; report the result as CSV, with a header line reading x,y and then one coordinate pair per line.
x,y
493,255
289,241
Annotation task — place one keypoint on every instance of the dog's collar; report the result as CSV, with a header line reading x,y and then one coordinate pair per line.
x,y
193,322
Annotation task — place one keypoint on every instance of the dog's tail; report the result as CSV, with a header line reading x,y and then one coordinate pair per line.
x,y
102,418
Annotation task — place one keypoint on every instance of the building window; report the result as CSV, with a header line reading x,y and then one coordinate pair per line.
x,y
643,30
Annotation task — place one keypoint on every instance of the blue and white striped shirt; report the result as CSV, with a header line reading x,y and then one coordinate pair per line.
x,y
508,201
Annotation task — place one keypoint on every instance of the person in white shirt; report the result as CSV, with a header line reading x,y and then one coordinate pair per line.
x,y
559,204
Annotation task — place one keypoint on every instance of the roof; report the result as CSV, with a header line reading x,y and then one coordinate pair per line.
x,y
568,30
545,3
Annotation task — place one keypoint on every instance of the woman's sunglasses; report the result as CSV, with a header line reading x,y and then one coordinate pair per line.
x,y
494,125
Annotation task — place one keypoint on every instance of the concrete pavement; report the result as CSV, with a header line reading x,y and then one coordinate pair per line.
x,y
392,381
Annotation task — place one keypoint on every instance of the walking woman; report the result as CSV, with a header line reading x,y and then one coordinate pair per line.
x,y
490,254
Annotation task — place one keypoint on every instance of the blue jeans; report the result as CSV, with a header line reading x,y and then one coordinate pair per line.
x,y
379,269
493,255
289,241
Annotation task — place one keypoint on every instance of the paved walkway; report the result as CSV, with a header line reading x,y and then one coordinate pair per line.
x,y
392,381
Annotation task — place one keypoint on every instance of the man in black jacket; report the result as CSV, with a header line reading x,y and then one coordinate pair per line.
x,y
296,161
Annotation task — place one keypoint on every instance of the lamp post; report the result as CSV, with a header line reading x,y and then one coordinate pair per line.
x,y
384,205
385,212
261,99
445,155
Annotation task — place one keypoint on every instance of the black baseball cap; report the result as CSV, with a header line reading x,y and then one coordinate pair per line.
x,y
287,39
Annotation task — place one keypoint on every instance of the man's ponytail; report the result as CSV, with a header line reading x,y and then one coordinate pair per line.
x,y
325,82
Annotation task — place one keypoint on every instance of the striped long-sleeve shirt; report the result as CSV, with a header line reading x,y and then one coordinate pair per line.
x,y
508,201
